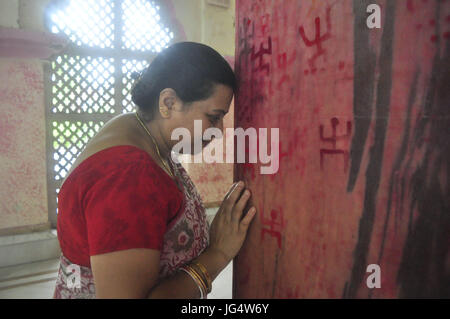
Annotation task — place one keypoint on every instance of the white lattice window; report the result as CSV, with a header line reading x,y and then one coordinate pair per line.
x,y
89,82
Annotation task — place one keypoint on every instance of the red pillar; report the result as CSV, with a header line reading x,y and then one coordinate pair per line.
x,y
364,166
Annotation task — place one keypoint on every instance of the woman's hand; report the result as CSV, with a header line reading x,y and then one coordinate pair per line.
x,y
228,229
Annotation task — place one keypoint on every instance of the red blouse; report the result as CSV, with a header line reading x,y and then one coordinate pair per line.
x,y
116,199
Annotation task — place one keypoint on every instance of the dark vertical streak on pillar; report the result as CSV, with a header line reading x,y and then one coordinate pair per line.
x,y
373,172
399,161
424,270
275,275
363,87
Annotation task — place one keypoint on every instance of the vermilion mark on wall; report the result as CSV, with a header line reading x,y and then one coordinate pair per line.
x,y
318,40
275,223
333,139
260,54
244,37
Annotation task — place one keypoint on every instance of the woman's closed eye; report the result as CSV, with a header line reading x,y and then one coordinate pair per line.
x,y
214,119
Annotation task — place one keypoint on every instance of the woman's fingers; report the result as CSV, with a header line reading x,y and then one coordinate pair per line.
x,y
232,198
227,229
236,214
245,222
224,206
229,191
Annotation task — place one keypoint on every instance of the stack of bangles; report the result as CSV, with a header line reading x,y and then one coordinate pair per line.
x,y
200,276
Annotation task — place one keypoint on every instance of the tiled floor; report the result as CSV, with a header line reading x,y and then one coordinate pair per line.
x,y
37,281
29,281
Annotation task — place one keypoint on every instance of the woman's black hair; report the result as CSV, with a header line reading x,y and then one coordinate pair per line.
x,y
191,69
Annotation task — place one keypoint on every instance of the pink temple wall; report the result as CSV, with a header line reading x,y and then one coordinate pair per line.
x,y
23,192
23,169
364,124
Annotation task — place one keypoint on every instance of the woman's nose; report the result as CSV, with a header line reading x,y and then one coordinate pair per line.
x,y
220,126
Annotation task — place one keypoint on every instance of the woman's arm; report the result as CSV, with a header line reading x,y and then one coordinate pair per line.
x,y
133,273
126,273
182,286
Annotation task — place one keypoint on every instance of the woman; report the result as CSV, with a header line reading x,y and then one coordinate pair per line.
x,y
131,224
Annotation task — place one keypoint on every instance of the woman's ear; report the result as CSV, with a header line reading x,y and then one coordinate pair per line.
x,y
167,99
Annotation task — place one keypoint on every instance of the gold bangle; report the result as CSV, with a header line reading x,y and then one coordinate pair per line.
x,y
199,274
205,275
195,281
199,279
196,278
202,281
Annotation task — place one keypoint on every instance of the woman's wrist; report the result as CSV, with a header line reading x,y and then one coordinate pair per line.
x,y
213,260
219,255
